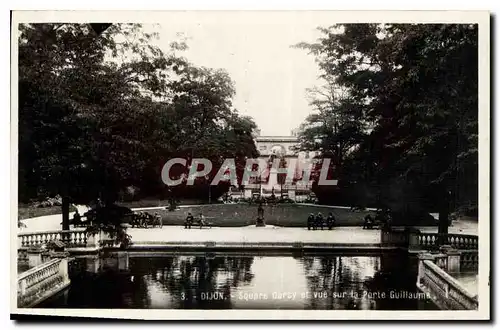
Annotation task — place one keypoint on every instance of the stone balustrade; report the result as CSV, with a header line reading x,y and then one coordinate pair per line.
x,y
441,260
42,282
469,260
395,237
431,241
71,238
445,291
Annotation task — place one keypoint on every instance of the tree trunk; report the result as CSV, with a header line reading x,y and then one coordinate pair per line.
x,y
65,218
444,215
65,213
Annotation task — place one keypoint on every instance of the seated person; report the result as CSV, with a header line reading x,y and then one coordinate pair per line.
x,y
77,219
189,221
368,224
135,220
319,220
330,221
158,219
201,220
310,222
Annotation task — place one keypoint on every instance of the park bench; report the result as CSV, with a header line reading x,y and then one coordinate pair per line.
x,y
197,224
206,223
146,220
377,222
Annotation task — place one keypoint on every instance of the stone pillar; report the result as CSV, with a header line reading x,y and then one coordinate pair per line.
x,y
421,258
63,270
122,260
46,256
413,238
93,240
93,264
291,194
453,258
35,257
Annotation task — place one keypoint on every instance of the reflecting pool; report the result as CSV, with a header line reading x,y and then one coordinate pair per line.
x,y
217,281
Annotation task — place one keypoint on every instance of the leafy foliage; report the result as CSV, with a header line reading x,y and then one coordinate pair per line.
x,y
399,112
101,113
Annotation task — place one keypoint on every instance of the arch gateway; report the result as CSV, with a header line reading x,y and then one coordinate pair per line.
x,y
281,146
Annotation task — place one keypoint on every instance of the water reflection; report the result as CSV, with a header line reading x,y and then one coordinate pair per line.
x,y
239,282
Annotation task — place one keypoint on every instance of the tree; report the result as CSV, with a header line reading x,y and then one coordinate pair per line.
x,y
98,114
73,109
415,87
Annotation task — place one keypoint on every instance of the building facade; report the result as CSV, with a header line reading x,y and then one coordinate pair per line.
x,y
280,147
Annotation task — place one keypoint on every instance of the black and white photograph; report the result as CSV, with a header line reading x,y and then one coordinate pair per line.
x,y
251,165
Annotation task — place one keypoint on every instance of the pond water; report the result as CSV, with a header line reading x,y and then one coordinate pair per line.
x,y
381,282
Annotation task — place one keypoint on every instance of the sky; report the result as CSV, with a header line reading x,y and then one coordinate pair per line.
x,y
255,49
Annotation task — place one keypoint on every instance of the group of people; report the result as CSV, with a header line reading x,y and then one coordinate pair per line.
x,y
77,220
382,218
145,219
318,221
191,221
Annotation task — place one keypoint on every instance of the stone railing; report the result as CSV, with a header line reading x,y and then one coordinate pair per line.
x,y
441,260
469,260
42,282
71,238
445,291
395,237
431,241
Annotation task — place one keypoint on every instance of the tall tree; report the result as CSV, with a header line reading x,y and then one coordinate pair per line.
x,y
73,98
99,113
415,86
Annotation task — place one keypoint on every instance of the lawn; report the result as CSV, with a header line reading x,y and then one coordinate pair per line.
x,y
25,211
232,215
235,215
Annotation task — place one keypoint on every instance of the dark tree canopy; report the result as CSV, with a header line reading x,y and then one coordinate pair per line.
x,y
102,112
399,114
